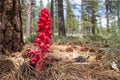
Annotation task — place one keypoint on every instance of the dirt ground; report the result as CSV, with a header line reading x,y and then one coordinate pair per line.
x,y
67,62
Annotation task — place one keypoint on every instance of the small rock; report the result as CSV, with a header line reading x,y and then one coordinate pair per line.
x,y
81,59
114,66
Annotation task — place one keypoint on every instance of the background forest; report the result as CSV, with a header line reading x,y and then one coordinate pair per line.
x,y
96,17
85,39
91,19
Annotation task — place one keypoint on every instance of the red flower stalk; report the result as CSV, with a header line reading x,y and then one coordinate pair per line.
x,y
42,40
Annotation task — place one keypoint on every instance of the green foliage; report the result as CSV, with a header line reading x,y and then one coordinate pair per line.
x,y
94,37
74,24
71,22
87,23
114,27
35,13
95,40
41,5
64,39
34,8
37,9
90,14
114,6
114,42
24,14
55,22
48,5
114,12
88,5
30,38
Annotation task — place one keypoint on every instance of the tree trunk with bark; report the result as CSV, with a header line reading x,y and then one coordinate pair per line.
x,y
52,14
29,16
61,26
11,38
82,26
93,19
107,17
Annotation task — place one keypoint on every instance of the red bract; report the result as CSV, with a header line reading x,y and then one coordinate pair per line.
x,y
42,40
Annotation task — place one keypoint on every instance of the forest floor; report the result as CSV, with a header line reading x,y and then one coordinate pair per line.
x,y
69,61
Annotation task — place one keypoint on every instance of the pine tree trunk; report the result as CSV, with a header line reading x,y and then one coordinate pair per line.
x,y
82,26
11,38
61,26
52,14
29,13
108,30
68,16
93,19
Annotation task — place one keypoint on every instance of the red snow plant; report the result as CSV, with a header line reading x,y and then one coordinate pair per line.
x,y
42,41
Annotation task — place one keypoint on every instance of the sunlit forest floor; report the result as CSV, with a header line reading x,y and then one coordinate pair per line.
x,y
72,59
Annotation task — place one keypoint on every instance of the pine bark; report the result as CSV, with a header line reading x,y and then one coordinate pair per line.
x,y
82,26
11,38
108,30
93,19
29,13
61,26
52,14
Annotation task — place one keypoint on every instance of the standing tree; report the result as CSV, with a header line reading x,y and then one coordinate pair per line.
x,y
93,17
55,16
24,14
61,26
38,8
69,16
29,16
107,16
71,22
52,13
34,17
82,12
41,5
49,5
11,38
91,8
114,11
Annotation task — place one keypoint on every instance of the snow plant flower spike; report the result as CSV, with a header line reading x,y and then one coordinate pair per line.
x,y
42,40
